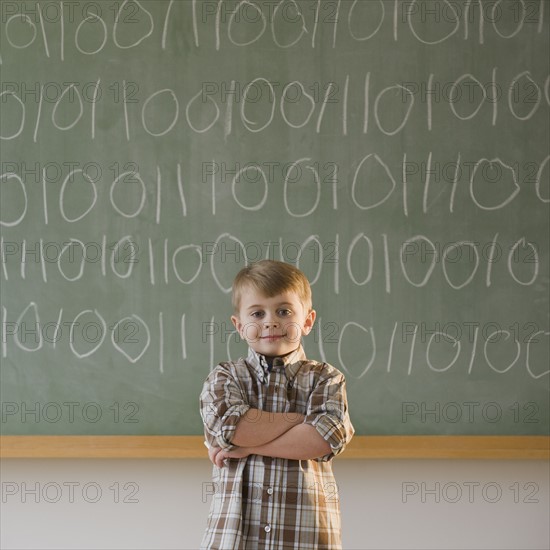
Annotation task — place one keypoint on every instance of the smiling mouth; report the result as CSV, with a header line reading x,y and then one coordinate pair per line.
x,y
276,337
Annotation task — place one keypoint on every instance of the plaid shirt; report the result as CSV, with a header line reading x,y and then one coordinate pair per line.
x,y
273,503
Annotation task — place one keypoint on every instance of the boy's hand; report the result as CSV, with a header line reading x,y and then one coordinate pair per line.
x,y
212,452
217,456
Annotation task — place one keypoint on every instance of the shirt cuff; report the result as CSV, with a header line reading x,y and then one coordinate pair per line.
x,y
228,426
330,430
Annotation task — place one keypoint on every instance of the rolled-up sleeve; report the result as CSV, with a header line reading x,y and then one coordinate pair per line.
x,y
222,404
327,412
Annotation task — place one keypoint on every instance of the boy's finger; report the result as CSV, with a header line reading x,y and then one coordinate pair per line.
x,y
219,460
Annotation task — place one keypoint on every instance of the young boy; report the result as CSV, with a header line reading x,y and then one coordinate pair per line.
x,y
273,422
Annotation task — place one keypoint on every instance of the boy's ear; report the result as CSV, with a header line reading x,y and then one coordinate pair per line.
x,y
236,323
308,324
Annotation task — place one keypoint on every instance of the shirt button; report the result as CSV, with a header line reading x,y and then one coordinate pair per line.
x,y
270,490
267,528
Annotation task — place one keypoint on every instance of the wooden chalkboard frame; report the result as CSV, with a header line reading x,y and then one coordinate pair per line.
x,y
361,447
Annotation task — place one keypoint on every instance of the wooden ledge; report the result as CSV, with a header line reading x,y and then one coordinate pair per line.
x,y
361,447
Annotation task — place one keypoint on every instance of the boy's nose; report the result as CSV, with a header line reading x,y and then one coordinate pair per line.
x,y
271,324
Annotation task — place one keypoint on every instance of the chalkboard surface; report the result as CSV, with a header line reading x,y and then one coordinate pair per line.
x,y
397,151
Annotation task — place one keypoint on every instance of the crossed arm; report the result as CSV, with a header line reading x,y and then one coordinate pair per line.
x,y
235,430
282,435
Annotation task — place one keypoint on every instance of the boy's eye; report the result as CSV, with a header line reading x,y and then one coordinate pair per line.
x,y
257,314
285,312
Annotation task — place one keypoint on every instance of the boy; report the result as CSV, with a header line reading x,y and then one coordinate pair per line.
x,y
273,422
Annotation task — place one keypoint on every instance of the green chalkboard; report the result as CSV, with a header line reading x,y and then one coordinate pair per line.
x,y
397,151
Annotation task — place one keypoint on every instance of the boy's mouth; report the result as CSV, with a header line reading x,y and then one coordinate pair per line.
x,y
272,337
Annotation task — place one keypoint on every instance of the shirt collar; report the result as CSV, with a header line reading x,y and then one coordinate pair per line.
x,y
291,363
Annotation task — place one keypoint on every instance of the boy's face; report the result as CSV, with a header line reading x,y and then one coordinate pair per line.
x,y
272,326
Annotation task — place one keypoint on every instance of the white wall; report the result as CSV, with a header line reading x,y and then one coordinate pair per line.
x,y
380,507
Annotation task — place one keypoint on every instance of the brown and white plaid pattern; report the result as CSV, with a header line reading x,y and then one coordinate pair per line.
x,y
272,503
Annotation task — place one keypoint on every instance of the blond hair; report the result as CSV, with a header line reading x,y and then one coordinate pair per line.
x,y
270,277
